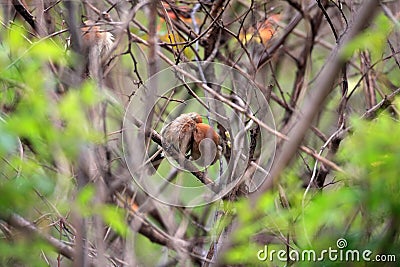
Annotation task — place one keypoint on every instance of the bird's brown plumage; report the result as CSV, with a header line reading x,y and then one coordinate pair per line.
x,y
202,132
185,133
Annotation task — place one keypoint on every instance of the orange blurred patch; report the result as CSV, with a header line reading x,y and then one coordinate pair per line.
x,y
127,203
178,13
134,207
263,31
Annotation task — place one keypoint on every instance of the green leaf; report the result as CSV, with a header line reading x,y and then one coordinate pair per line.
x,y
373,39
88,93
85,196
115,218
47,49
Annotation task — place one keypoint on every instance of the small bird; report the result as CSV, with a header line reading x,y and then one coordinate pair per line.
x,y
95,37
178,133
185,134
178,12
262,32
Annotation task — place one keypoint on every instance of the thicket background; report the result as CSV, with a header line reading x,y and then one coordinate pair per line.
x,y
330,71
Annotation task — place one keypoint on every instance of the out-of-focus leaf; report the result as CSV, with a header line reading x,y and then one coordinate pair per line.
x,y
115,218
373,39
84,199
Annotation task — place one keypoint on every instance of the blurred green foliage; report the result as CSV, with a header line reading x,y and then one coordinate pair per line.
x,y
53,132
364,209
372,39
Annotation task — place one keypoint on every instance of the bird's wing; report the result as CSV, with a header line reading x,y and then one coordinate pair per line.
x,y
186,136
